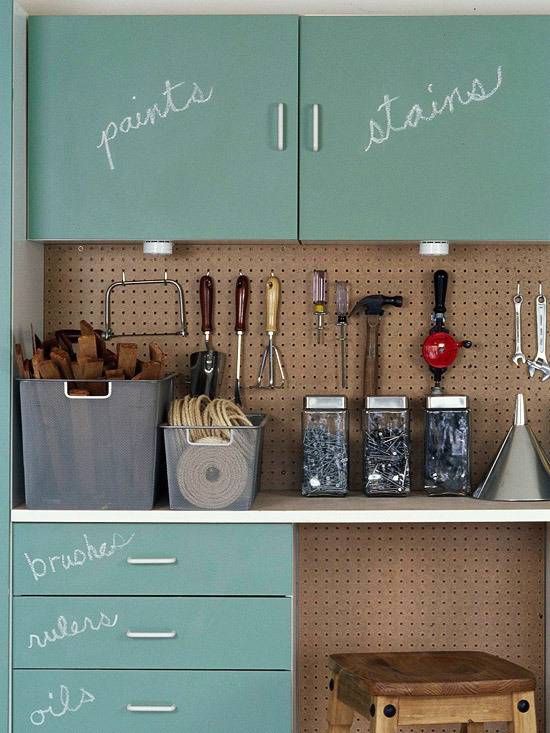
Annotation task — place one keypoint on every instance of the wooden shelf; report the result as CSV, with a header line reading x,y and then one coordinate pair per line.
x,y
291,507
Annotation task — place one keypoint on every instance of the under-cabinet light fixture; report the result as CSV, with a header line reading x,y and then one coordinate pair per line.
x,y
158,247
434,247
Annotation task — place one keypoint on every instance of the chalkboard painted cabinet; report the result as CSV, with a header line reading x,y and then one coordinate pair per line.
x,y
170,127
136,701
140,627
425,127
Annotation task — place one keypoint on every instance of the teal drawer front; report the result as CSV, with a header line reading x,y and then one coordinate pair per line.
x,y
152,633
201,702
149,559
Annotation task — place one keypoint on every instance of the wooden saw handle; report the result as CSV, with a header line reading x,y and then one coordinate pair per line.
x,y
272,296
206,295
371,356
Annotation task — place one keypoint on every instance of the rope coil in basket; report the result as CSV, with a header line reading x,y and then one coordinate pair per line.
x,y
215,462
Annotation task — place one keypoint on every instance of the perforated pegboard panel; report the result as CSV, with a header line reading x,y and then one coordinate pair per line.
x,y
417,587
483,281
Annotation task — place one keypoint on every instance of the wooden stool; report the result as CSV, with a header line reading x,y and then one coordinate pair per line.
x,y
430,688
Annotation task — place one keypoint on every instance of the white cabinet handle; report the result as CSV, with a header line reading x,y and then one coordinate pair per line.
x,y
315,128
280,126
151,560
151,634
151,708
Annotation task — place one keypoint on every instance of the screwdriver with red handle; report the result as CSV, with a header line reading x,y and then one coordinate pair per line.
x,y
241,304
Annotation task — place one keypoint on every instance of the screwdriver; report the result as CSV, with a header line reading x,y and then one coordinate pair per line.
x,y
342,308
319,301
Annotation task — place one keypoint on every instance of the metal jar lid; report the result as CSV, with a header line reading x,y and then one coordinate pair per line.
x,y
386,403
325,402
447,402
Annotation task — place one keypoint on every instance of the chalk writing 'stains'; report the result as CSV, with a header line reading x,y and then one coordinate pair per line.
x,y
153,113
381,132
62,706
65,630
77,557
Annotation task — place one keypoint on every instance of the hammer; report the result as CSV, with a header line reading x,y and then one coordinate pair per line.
x,y
372,307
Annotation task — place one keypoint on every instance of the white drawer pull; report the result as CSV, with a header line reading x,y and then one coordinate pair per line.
x,y
151,560
151,708
151,634
315,126
280,126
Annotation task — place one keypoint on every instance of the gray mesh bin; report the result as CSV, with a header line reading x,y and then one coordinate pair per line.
x,y
92,452
214,475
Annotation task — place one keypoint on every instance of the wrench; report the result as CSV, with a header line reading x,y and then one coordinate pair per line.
x,y
519,356
540,359
541,368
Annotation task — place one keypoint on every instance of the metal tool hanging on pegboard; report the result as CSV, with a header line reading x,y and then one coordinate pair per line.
x,y
108,332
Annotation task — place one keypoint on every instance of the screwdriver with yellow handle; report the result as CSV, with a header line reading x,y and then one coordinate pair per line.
x,y
319,302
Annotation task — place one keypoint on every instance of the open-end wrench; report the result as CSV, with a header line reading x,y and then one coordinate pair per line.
x,y
540,359
544,368
519,356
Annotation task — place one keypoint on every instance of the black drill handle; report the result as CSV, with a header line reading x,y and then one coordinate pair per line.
x,y
441,278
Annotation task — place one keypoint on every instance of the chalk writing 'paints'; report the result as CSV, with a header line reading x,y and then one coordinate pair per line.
x,y
65,630
153,113
380,133
61,706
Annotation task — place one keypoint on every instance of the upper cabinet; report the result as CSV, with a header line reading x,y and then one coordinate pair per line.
x,y
166,127
425,128
180,127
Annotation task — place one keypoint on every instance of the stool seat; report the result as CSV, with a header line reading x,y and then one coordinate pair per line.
x,y
432,673
404,689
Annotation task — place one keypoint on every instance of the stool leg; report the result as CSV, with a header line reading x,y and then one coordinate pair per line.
x,y
385,715
523,710
339,715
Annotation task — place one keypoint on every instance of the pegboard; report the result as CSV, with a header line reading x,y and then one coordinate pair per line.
x,y
417,587
483,279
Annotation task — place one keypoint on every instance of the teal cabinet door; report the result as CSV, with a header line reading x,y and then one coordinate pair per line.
x,y
152,633
428,128
119,702
170,127
153,559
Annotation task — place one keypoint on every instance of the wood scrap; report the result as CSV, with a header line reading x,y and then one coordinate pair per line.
x,y
79,392
37,358
91,369
87,348
114,374
48,370
22,371
127,359
149,370
157,354
62,360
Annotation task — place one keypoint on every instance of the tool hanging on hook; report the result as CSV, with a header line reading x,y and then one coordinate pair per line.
x,y
271,357
342,308
518,357
206,366
540,362
241,303
319,302
440,349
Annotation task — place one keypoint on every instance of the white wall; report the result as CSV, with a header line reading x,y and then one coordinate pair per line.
x,y
303,7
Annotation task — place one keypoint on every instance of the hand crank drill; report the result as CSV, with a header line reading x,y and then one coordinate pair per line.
x,y
372,306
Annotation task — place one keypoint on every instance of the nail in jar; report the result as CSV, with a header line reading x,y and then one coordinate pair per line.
x,y
447,446
325,446
386,446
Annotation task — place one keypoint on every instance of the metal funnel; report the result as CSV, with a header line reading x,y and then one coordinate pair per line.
x,y
521,470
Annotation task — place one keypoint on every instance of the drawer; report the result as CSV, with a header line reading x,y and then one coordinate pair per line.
x,y
203,702
152,633
153,559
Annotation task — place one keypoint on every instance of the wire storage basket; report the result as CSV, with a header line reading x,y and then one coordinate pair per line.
x,y
93,452
214,467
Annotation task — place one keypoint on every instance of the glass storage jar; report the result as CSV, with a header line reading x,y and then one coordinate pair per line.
x,y
386,446
325,446
447,446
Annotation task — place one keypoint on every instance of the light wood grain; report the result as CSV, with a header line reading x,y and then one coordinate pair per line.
x,y
339,715
457,709
524,722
